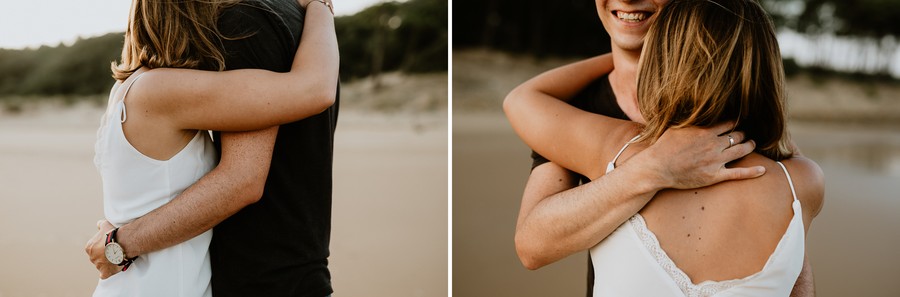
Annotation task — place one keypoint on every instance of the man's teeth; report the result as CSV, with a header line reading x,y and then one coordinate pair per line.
x,y
631,16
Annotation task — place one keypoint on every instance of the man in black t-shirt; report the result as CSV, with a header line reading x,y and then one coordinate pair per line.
x,y
271,190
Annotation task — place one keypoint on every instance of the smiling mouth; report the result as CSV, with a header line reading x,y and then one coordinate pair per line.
x,y
631,17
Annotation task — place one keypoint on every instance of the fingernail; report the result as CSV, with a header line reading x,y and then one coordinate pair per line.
x,y
760,170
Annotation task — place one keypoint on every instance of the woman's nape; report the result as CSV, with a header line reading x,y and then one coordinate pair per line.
x,y
711,61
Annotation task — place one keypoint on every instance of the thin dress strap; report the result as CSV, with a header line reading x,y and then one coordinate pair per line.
x,y
790,182
122,102
612,164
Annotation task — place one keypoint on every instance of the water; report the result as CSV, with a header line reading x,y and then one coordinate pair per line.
x,y
853,244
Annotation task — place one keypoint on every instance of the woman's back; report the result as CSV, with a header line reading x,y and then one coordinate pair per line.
x,y
738,237
724,231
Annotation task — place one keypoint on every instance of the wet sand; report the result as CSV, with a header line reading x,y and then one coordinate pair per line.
x,y
389,235
852,244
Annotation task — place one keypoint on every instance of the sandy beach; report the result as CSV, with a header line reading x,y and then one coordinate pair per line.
x,y
389,235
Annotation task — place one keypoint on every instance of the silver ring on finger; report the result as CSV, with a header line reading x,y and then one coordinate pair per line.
x,y
730,141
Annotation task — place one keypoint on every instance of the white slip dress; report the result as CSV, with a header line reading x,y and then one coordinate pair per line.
x,y
631,262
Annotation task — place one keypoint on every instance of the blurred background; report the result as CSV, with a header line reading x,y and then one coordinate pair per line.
x,y
389,235
843,67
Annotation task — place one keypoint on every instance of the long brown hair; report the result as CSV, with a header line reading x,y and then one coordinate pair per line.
x,y
709,61
172,34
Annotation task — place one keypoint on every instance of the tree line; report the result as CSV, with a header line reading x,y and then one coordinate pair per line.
x,y
862,32
571,28
391,36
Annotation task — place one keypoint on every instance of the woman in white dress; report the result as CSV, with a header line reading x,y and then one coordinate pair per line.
x,y
158,146
704,63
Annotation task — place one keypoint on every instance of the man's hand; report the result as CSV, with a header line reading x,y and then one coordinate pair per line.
x,y
95,249
687,158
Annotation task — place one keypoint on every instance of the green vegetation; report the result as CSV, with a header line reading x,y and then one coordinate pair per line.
x,y
409,36
542,28
80,69
868,25
571,28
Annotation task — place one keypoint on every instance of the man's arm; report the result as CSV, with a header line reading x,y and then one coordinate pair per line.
x,y
236,182
552,195
556,220
805,286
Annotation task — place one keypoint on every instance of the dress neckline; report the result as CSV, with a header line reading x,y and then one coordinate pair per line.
x,y
684,282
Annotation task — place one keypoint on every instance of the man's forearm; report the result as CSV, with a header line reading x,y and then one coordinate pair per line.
x,y
576,219
805,285
205,204
236,182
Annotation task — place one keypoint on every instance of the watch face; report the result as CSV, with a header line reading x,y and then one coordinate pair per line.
x,y
114,253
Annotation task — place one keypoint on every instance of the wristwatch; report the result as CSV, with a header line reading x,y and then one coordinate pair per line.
x,y
115,253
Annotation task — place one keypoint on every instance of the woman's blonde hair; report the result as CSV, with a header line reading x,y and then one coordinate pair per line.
x,y
710,61
172,34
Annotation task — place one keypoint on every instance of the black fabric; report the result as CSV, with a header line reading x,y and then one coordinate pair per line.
x,y
597,97
279,245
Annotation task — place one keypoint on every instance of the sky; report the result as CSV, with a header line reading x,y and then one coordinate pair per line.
x,y
32,23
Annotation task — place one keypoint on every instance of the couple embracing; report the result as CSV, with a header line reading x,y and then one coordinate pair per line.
x,y
669,159
245,214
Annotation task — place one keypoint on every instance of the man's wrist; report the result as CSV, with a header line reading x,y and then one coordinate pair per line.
x,y
124,239
646,176
114,251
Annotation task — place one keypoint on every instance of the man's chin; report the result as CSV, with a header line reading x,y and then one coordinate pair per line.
x,y
629,44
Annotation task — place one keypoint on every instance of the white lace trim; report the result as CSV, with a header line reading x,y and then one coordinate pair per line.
x,y
706,288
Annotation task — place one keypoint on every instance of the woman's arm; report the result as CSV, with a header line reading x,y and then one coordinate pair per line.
x,y
206,100
574,139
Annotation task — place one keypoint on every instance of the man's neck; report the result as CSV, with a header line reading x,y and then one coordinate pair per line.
x,y
623,80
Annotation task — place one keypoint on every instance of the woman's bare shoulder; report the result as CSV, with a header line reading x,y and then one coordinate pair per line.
x,y
809,183
807,177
